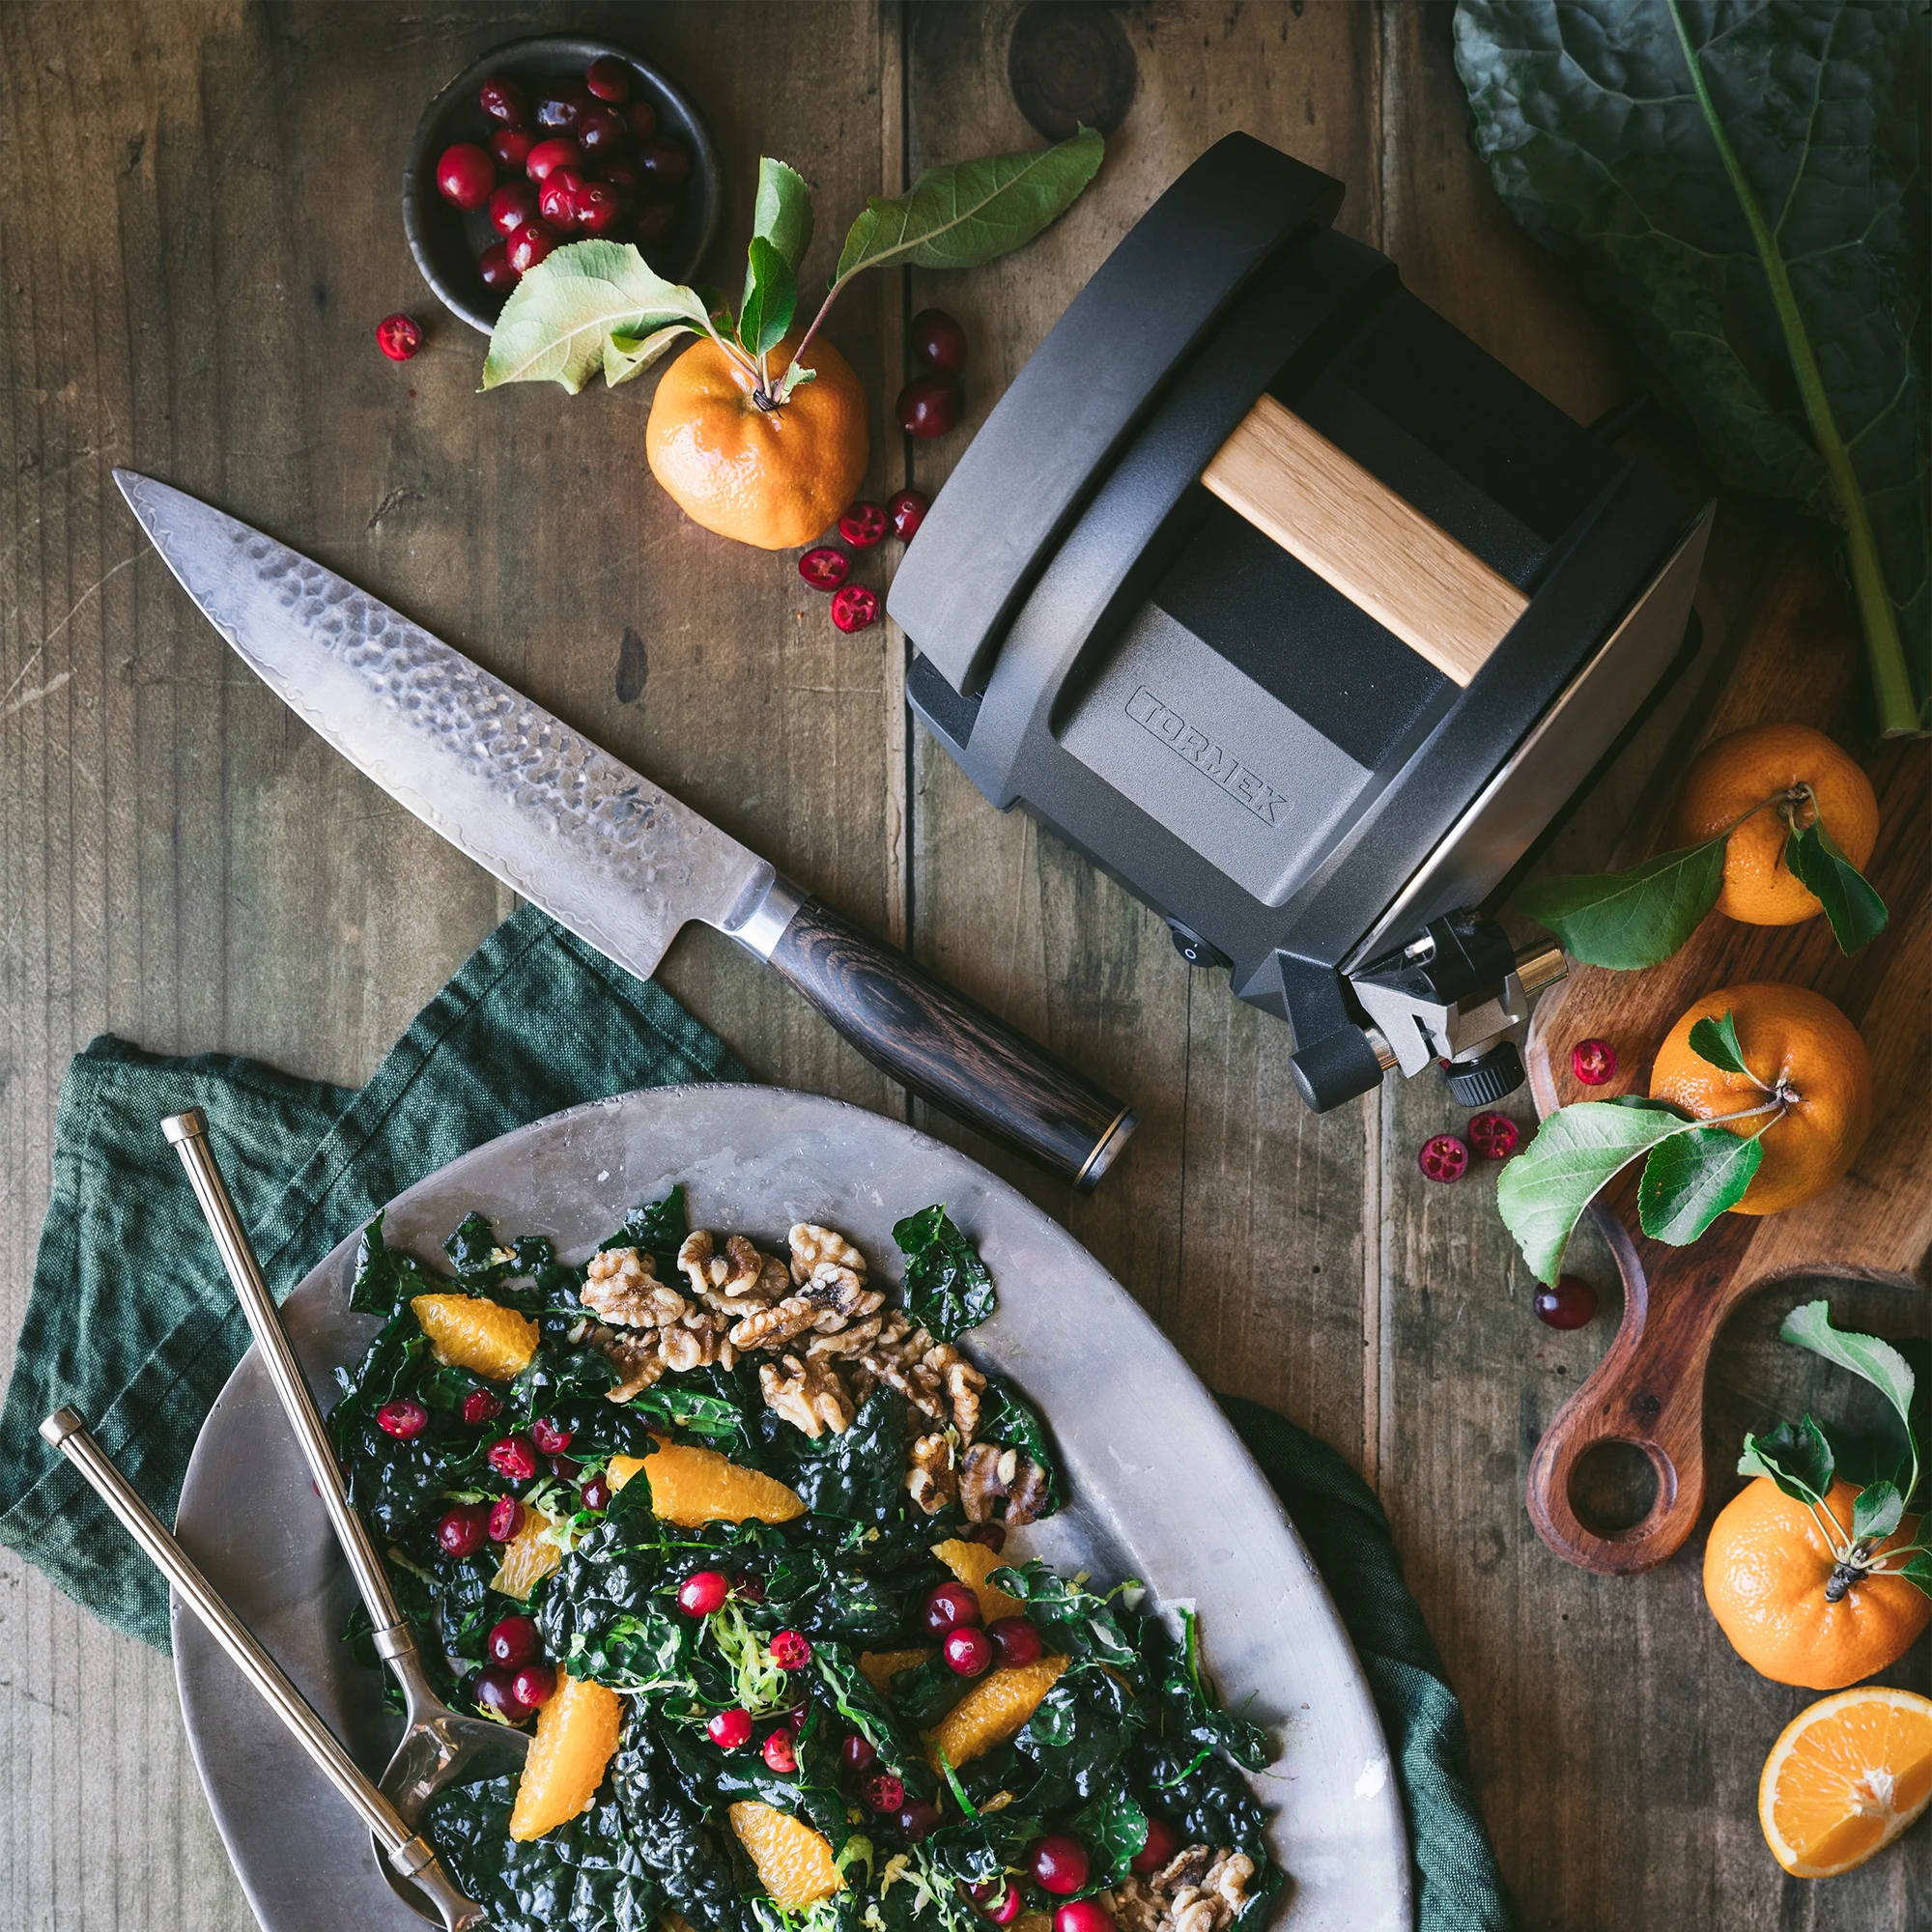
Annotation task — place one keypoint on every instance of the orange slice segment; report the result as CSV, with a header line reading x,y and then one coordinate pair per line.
x,y
880,1665
528,1557
577,1734
484,1337
972,1563
794,1861
1848,1775
992,1710
690,1485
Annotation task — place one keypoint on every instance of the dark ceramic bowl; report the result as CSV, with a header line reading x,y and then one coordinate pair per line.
x,y
446,241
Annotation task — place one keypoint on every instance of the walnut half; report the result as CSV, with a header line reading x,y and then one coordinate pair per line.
x,y
994,1475
808,1393
932,1480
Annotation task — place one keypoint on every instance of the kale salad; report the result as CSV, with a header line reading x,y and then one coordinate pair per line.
x,y
727,1529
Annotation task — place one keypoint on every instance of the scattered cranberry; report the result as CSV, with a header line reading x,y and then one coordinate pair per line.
x,y
503,100
551,1438
512,1642
1593,1062
968,1651
665,163
405,1418
514,1458
596,1493
1570,1304
602,130
1081,1915
480,1405
494,266
948,1606
528,246
597,206
558,110
643,121
506,1519
512,205
916,1818
907,511
1443,1157
398,337
1059,1863
1494,1136
928,406
608,78
883,1791
992,1534
657,221
855,607
751,1590
462,1529
1163,1843
546,156
512,147
557,197
863,525
1015,1640
464,175
825,568
566,1468
535,1685
780,1751
729,1730
791,1650
938,341
494,1691
997,1900
702,1592
855,1753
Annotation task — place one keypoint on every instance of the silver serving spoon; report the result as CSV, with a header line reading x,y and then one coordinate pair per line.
x,y
412,1861
440,1746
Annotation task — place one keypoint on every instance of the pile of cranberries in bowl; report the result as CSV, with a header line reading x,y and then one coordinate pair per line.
x,y
563,162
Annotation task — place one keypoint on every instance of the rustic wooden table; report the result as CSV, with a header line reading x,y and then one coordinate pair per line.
x,y
198,231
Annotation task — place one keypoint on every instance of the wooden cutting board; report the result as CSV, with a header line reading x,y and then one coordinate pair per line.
x,y
1797,658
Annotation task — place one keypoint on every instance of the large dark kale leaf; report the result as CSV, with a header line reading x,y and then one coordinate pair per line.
x,y
1741,184
948,1290
858,1476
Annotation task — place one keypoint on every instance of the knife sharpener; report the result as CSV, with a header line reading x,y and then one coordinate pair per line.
x,y
1298,614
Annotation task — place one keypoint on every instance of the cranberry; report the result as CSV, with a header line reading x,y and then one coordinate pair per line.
x,y
1443,1157
992,1534
1494,1136
494,266
462,1529
1593,1062
405,1418
657,221
1081,1915
752,1591
398,337
729,1730
907,511
558,110
855,607
566,1468
557,197
855,1753
494,1691
883,1791
506,1519
551,1438
863,525
938,341
597,206
643,121
512,1642
601,131
608,78
512,147
780,1751
481,1406
702,1592
665,163
968,1651
502,100
622,173
528,246
464,175
916,1818
546,156
535,1685
514,1458
1015,1640
1059,1863
928,406
1570,1304
1163,1843
596,1493
997,1900
948,1606
825,568
791,1650
512,205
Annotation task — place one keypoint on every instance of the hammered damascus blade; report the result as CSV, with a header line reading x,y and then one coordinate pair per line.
x,y
604,851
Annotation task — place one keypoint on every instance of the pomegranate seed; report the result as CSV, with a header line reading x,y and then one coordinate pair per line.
x,y
1593,1062
791,1650
907,511
512,147
928,406
863,525
997,1900
398,337
948,1606
1163,1843
780,1751
596,1493
1570,1304
1059,1863
546,156
551,1438
405,1419
643,121
702,1592
494,266
855,1753
597,206
657,221
825,568
665,163
608,78
480,1405
464,175
855,607
528,246
493,1692
502,100
730,1730
506,1519
514,1458
557,197
917,1818
1443,1157
968,1651
883,1791
938,341
1015,1640
512,205
461,1531
534,1684
602,132
558,110
512,1642
1494,1136
1081,1915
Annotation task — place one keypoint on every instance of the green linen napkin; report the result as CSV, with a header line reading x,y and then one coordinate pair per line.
x,y
130,1320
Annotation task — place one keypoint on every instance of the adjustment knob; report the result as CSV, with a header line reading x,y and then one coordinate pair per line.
x,y
1483,1081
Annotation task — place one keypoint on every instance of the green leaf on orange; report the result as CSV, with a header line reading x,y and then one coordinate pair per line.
x,y
1717,1041
771,298
1795,1455
1692,1179
1877,1510
1633,919
1852,905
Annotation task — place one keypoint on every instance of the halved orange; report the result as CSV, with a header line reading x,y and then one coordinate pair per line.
x,y
484,1337
972,1563
1847,1775
692,1486
794,1861
577,1737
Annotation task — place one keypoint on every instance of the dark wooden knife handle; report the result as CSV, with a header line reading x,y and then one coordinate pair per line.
x,y
949,1049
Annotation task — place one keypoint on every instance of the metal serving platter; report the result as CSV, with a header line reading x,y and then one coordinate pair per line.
x,y
1162,1489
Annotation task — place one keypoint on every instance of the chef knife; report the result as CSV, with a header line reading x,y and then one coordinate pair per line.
x,y
604,851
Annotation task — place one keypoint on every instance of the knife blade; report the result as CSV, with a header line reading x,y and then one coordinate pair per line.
x,y
616,859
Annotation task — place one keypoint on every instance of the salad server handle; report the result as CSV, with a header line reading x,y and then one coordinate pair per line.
x,y
394,1640
410,1853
